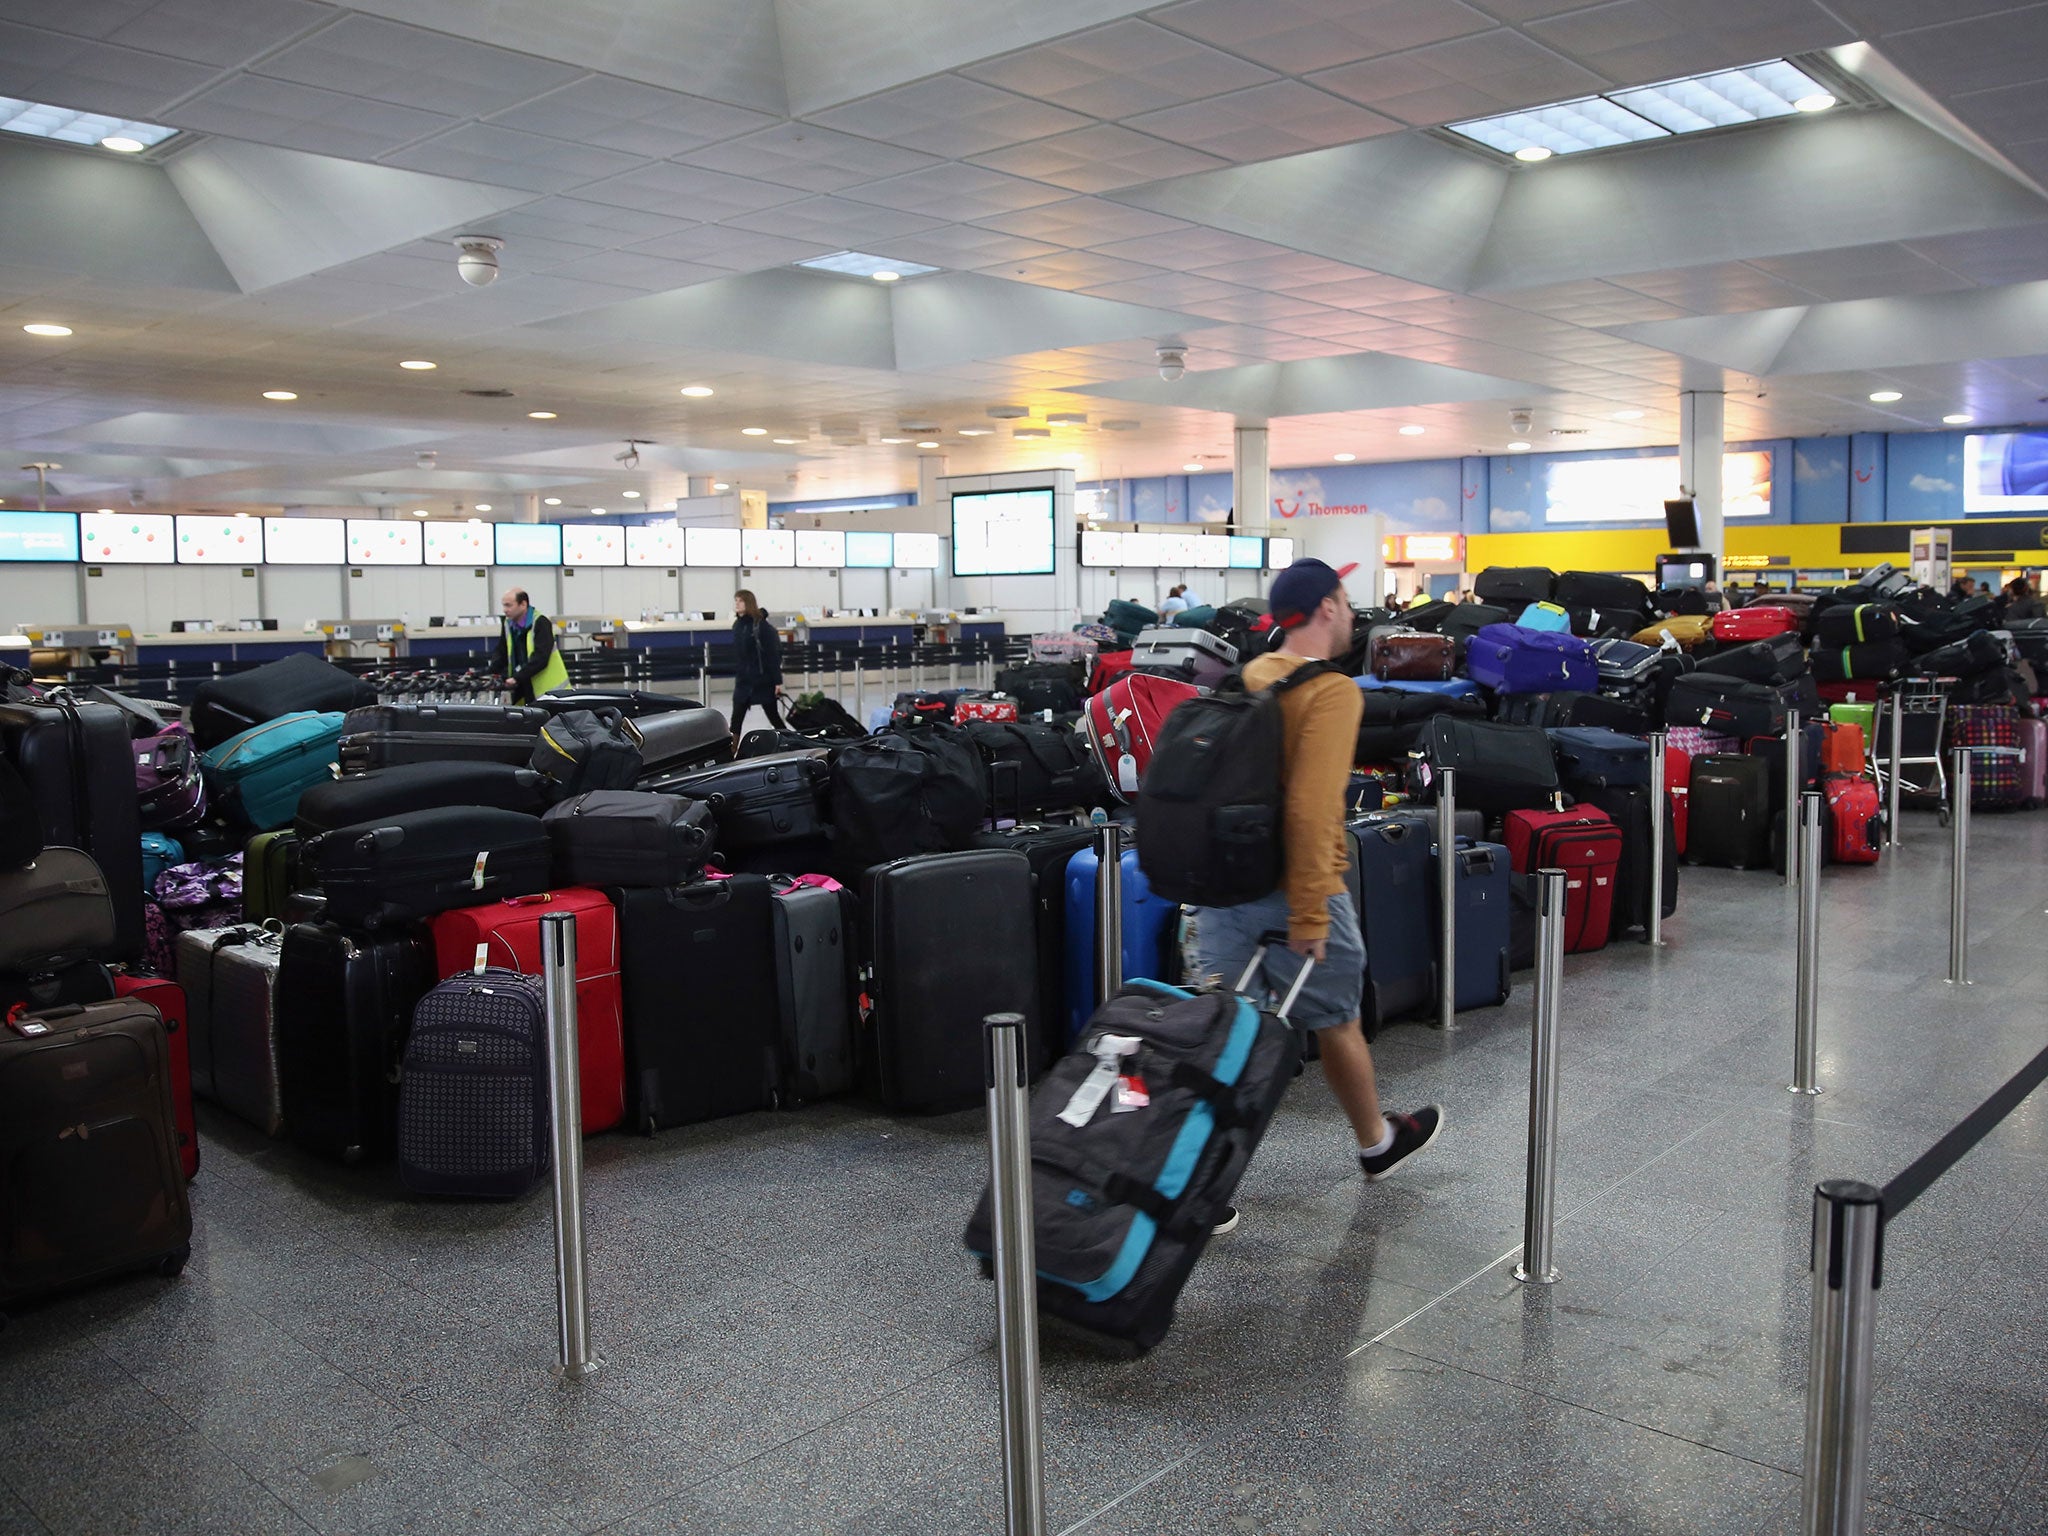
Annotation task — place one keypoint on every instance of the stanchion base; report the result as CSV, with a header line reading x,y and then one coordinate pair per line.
x,y
1951,981
576,1373
1526,1278
1811,1093
1656,943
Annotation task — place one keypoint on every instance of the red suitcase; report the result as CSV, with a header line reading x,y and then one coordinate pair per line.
x,y
1586,845
998,707
1858,821
1123,721
1108,667
1678,788
1739,626
507,933
168,999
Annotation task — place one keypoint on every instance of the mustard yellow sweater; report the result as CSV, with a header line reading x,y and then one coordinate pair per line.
x,y
1322,734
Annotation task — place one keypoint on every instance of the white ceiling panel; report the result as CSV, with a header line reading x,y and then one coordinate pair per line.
x,y
1467,77
386,61
508,158
1301,35
835,222
809,157
964,246
1099,159
1120,70
609,113
48,66
1074,270
949,115
218,32
1635,41
1266,122
731,249
957,191
573,221
1977,53
686,191
1084,222
302,117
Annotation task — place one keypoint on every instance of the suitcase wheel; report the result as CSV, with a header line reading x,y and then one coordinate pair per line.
x,y
172,1264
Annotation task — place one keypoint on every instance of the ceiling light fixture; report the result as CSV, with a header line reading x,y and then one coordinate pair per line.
x,y
753,431
1533,154
1191,469
551,501
1885,396
106,511
698,391
720,485
42,329
786,442
1819,101
974,431
597,511
482,506
476,259
928,443
418,364
477,521
1412,430
121,144
886,277
1344,458
893,441
860,264
279,394
540,415
37,120
1518,447
630,495
419,511
1958,419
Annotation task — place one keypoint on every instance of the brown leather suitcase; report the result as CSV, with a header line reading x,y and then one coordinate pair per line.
x,y
1409,655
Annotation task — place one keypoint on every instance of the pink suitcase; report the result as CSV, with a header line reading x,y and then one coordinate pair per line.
x,y
2034,765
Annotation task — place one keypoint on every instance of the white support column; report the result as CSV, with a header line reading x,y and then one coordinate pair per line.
x,y
700,485
1700,447
527,509
931,469
1251,481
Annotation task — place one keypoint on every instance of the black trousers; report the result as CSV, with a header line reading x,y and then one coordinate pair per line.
x,y
745,697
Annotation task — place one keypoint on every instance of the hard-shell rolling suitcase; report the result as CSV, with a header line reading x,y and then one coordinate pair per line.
x,y
74,760
1128,1183
344,1007
1587,846
2033,736
90,1182
814,933
1678,793
1628,807
227,706
1193,655
680,739
628,837
258,776
192,954
1740,626
399,868
242,1043
1731,812
507,934
1394,872
1483,902
1124,720
168,999
760,802
1858,817
924,993
356,798
1515,586
704,1048
473,1098
1148,921
395,735
1050,850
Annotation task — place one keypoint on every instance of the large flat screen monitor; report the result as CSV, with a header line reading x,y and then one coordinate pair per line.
x,y
870,551
1279,554
661,545
917,551
207,538
383,541
304,540
1212,554
1247,552
126,538
767,547
458,543
1682,522
820,549
529,543
1101,547
1003,533
713,547
593,544
38,535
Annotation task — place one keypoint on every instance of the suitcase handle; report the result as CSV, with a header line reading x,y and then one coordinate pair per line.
x,y
1264,947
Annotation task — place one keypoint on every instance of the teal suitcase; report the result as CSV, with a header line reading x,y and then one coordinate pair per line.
x,y
259,774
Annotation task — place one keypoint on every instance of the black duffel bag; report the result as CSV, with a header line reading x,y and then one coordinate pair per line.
x,y
629,837
1391,722
906,792
1034,767
586,749
1043,685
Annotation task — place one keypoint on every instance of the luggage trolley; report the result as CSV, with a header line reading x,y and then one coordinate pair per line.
x,y
1923,703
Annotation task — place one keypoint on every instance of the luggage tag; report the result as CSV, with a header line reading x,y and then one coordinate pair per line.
x,y
1110,1052
483,957
476,875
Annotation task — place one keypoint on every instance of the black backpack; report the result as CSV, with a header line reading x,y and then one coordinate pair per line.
x,y
1211,815
587,749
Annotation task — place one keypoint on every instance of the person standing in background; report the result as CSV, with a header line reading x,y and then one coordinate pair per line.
x,y
527,657
2021,603
757,664
1175,603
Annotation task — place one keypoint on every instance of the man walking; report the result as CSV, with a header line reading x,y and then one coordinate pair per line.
x,y
527,655
1309,605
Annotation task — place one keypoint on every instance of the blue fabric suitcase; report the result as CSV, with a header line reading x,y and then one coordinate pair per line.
x,y
1484,899
1395,915
1148,929
1545,616
1510,659
261,773
1591,758
1450,687
159,853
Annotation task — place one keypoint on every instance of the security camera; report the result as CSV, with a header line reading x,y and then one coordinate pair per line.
x,y
1173,362
476,259
135,497
426,458
630,459
1521,422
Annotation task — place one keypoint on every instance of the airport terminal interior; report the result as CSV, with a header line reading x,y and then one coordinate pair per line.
x,y
778,497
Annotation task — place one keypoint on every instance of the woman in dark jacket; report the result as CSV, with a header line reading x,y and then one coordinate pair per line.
x,y
757,664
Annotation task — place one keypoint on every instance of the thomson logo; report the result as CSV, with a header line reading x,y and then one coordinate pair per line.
x,y
1301,506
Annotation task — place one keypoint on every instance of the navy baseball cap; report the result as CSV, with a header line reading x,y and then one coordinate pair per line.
x,y
1297,590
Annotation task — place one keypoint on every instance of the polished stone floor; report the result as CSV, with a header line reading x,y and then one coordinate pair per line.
x,y
795,1343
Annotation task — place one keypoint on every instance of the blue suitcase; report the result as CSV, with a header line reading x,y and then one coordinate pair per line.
x,y
1484,900
1545,616
1591,758
260,774
1450,687
1148,929
1510,659
1396,898
159,853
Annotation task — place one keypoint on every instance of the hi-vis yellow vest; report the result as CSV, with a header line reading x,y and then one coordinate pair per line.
x,y
550,677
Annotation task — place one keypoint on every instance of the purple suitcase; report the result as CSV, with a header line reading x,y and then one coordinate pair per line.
x,y
1510,659
168,784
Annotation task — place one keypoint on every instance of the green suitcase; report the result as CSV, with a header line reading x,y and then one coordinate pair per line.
x,y
272,869
1864,715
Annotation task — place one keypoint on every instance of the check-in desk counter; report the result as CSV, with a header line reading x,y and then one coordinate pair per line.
x,y
347,639
194,649
450,639
83,644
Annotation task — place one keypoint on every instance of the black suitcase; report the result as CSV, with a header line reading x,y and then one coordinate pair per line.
x,y
225,706
765,743
1729,819
1598,589
760,802
678,739
1842,624
697,968
80,772
1393,849
1053,685
814,932
1501,768
1879,661
357,798
1049,850
1974,654
391,735
1033,768
1390,721
90,1181
633,703
1777,660
628,837
942,949
474,1097
1628,807
1727,706
1554,711
1482,872
344,1008
1515,587
399,868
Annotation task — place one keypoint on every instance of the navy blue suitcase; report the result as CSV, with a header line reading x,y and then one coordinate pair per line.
x,y
1392,850
1591,758
1484,899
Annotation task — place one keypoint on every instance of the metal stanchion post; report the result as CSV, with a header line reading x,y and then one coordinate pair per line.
x,y
565,1085
952,667
1653,931
1806,1000
1447,897
1539,1213
1016,1266
1848,1267
860,694
704,675
1795,780
1109,912
1959,867
1893,829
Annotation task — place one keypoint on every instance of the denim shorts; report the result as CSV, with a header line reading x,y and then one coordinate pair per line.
x,y
1226,936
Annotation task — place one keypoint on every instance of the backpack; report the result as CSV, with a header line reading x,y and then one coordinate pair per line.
x,y
1211,817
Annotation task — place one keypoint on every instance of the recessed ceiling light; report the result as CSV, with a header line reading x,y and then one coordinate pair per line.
x,y
1518,447
698,391
1412,431
975,431
279,394
121,144
1191,469
927,443
1344,458
482,506
41,329
66,125
893,440
1628,415
886,276
1959,419
720,485
787,442
551,501
1534,154
106,511
478,520
1819,101
417,364
1885,396
753,431
630,495
540,415
419,511
859,264
597,511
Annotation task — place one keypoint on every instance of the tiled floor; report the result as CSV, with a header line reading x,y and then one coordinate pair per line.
x,y
795,1342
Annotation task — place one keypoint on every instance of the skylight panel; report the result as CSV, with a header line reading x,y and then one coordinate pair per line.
x,y
1723,99
859,264
40,121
